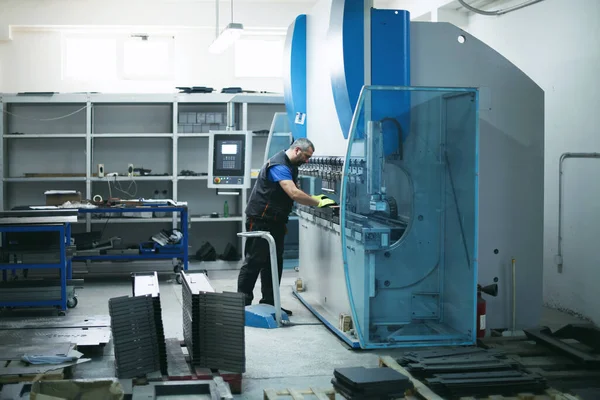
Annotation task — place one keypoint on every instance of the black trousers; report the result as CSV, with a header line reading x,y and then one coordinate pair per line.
x,y
257,260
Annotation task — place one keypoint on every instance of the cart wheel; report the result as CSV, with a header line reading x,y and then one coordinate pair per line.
x,y
178,279
61,313
178,268
297,269
72,302
205,272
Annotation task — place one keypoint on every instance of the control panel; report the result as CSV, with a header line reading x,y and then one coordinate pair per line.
x,y
229,159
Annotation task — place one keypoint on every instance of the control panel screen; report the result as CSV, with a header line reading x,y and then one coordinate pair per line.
x,y
229,149
229,155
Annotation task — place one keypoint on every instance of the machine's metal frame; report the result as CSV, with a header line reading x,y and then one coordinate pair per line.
x,y
274,269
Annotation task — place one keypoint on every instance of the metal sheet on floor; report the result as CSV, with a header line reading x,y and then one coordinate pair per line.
x,y
69,321
78,336
12,352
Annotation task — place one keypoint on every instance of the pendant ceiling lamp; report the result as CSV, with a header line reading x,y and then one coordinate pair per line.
x,y
227,36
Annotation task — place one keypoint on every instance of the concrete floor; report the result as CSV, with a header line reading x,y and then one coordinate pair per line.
x,y
297,357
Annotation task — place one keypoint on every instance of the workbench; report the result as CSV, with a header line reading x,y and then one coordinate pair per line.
x,y
179,252
32,222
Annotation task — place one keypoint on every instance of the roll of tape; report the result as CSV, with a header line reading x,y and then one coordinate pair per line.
x,y
97,199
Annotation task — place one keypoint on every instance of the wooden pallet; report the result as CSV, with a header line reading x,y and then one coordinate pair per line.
x,y
180,368
321,394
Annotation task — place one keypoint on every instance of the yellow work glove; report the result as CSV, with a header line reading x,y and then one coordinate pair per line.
x,y
324,201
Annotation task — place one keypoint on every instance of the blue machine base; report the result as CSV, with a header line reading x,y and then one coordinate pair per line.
x,y
290,263
263,316
353,343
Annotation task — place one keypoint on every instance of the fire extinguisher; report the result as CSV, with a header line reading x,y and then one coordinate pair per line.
x,y
491,290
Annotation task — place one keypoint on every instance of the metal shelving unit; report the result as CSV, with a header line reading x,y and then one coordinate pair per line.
x,y
63,264
70,134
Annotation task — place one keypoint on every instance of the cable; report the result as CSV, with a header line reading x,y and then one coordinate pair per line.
x,y
497,12
217,24
119,188
104,227
399,129
46,119
127,192
289,323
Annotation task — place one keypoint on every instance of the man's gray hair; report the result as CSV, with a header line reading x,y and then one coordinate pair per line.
x,y
303,143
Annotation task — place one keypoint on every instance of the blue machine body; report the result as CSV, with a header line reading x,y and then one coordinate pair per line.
x,y
407,225
294,69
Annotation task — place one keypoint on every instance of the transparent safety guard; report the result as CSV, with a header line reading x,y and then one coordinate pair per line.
x,y
409,212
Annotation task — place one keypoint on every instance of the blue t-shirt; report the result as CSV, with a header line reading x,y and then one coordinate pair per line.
x,y
280,173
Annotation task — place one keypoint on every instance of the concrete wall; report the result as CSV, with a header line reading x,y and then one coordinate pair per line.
x,y
555,42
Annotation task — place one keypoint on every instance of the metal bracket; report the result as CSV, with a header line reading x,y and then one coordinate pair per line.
x,y
274,270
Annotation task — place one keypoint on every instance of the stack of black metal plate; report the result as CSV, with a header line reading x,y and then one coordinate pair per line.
x,y
146,284
503,383
370,383
213,325
470,371
134,336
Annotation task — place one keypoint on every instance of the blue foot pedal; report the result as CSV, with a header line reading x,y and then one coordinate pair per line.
x,y
263,316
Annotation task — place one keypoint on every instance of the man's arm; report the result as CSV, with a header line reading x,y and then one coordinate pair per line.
x,y
296,194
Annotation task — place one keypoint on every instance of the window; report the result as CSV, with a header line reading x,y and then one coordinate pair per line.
x,y
89,57
114,56
259,58
148,58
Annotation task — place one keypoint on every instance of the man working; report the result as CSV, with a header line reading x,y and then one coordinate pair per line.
x,y
268,209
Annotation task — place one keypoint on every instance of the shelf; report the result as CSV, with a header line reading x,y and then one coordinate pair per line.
x,y
219,219
204,97
192,178
104,220
123,257
47,136
259,98
47,179
41,99
117,98
250,98
139,98
133,178
132,135
194,135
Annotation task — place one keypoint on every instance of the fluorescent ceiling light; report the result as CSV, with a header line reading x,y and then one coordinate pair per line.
x,y
228,36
